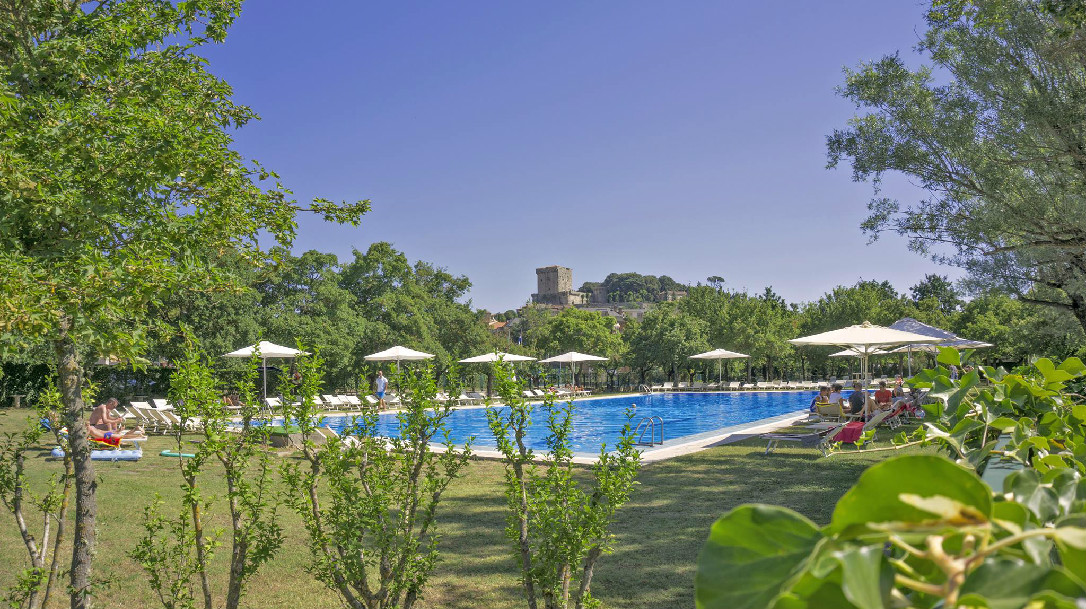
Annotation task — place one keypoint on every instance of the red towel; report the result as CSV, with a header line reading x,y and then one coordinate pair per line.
x,y
850,433
108,441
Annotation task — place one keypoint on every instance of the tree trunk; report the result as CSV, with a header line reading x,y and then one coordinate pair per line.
x,y
1078,308
70,377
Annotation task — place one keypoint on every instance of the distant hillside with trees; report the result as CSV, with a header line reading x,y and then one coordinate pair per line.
x,y
633,287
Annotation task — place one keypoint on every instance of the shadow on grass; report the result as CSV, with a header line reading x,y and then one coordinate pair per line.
x,y
658,534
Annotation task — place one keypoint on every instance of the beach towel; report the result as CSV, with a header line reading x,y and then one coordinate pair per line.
x,y
850,433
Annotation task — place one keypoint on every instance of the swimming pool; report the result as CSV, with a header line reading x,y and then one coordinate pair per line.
x,y
600,420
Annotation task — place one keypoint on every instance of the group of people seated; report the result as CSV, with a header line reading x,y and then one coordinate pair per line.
x,y
866,405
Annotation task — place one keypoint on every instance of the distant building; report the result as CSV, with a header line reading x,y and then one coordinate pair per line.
x,y
554,286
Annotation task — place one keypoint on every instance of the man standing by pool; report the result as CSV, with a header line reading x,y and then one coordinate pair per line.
x,y
379,384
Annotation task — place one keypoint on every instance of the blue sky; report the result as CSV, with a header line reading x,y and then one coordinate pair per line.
x,y
683,138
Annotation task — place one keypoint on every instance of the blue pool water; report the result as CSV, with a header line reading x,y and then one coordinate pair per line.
x,y
599,421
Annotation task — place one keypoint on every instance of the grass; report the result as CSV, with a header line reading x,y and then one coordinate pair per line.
x,y
658,534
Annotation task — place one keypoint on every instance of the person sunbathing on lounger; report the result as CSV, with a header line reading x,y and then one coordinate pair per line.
x,y
95,433
101,419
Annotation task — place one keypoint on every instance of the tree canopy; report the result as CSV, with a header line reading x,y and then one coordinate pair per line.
x,y
120,187
993,133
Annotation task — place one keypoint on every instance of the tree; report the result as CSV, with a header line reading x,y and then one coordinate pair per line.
x,y
558,529
939,288
998,148
302,299
29,505
369,503
175,550
416,304
119,188
579,330
666,338
631,287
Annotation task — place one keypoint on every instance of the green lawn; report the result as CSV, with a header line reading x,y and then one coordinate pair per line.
x,y
659,533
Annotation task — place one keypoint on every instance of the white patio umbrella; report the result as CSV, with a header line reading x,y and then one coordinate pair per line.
x,y
267,350
950,339
865,339
718,354
855,353
497,356
398,354
487,358
572,357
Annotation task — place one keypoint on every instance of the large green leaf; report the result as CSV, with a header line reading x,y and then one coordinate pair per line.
x,y
753,555
918,489
949,356
1071,544
1052,374
1072,365
862,580
1007,583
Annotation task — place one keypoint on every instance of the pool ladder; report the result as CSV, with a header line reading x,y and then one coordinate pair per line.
x,y
644,389
648,425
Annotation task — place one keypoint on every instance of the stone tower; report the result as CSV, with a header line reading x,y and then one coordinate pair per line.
x,y
554,286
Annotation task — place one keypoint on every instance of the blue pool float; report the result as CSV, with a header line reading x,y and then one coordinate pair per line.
x,y
108,455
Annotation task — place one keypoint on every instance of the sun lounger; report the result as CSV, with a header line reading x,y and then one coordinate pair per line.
x,y
162,404
190,424
817,439
697,386
328,433
668,386
161,423
335,402
135,409
351,402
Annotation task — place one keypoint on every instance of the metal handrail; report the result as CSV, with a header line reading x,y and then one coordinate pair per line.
x,y
648,425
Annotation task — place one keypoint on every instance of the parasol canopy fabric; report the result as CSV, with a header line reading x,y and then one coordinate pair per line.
x,y
948,338
572,357
267,350
718,354
497,356
398,354
865,339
